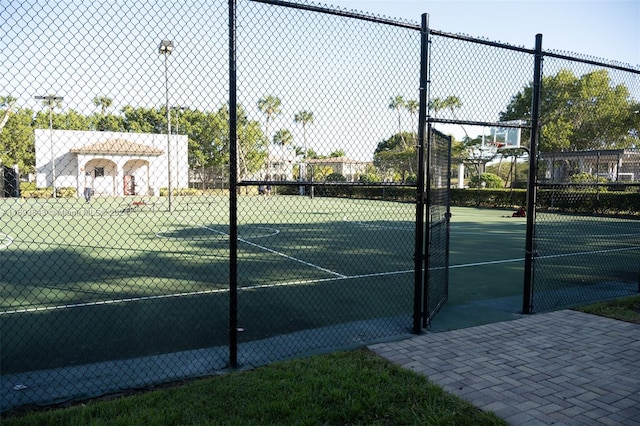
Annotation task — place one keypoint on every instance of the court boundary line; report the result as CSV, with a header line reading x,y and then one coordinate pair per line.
x,y
191,293
272,251
391,228
158,234
285,284
7,238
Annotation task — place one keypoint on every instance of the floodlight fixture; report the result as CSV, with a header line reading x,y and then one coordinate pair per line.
x,y
166,47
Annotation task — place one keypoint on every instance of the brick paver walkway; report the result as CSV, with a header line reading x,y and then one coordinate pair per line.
x,y
561,368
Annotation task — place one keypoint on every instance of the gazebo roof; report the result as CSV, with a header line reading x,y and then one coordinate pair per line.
x,y
118,147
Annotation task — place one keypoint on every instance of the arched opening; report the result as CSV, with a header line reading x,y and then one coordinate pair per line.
x,y
136,177
102,175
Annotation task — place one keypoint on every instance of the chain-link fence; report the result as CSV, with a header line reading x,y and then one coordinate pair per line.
x,y
584,222
587,230
326,89
118,265
150,241
117,278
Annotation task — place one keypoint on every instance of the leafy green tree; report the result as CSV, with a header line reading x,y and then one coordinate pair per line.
x,y
6,102
102,120
145,120
393,155
252,148
208,135
69,120
17,141
579,113
72,120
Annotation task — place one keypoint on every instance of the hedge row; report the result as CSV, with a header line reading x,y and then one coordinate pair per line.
x,y
29,190
593,199
599,200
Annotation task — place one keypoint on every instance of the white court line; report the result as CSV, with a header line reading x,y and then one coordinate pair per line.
x,y
393,228
5,240
290,283
191,293
111,302
553,256
286,256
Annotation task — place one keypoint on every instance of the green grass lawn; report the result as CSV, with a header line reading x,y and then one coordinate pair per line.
x,y
354,387
626,309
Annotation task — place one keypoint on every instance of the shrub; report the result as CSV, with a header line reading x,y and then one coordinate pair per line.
x,y
189,192
336,177
369,178
66,192
27,186
490,181
586,178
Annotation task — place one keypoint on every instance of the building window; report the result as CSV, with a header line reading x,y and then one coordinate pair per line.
x,y
99,171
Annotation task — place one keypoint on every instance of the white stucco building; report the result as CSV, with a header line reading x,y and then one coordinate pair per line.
x,y
112,163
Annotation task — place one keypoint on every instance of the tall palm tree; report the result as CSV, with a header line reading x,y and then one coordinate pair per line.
x,y
103,102
283,137
452,103
397,104
52,102
412,107
304,117
436,104
269,106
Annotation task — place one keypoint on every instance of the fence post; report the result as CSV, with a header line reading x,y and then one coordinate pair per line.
x,y
531,187
419,255
233,192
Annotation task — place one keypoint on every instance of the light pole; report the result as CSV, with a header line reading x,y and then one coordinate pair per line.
x,y
166,47
179,109
51,100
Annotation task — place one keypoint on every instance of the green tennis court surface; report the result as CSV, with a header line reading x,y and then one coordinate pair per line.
x,y
85,283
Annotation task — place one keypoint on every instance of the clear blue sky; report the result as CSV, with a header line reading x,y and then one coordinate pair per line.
x,y
608,29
